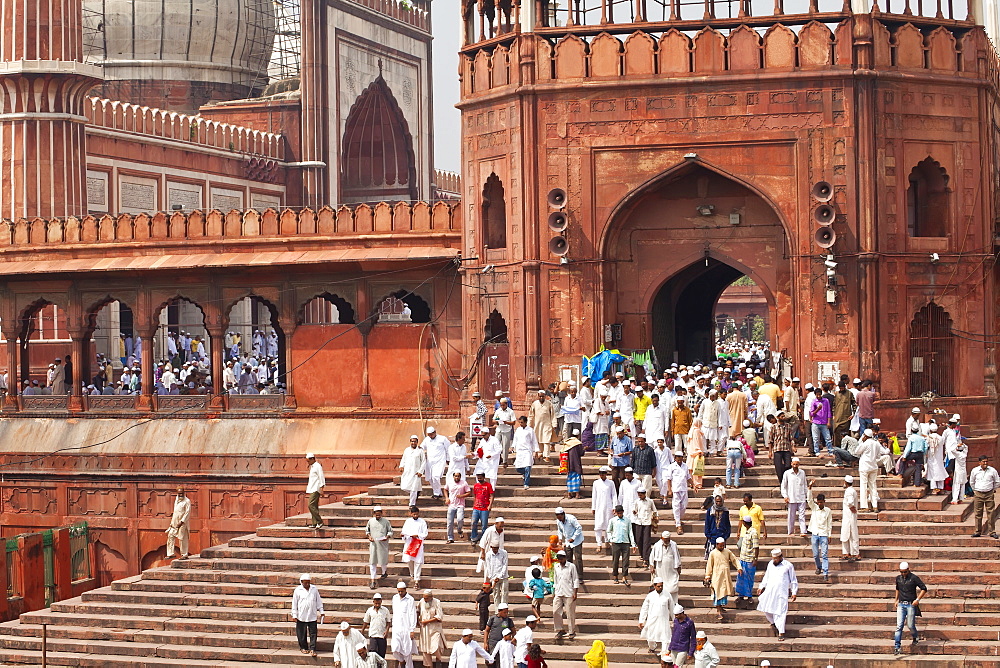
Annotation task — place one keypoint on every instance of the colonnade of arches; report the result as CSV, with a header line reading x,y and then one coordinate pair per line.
x,y
114,346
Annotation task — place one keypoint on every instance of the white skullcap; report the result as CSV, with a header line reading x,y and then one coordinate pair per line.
x,y
856,380
541,391
431,430
400,585
956,418
795,380
344,626
305,576
310,455
904,566
498,393
678,609
414,437
534,559
720,539
657,580
775,552
746,423
467,632
620,427
360,646
765,662
503,606
530,618
914,410
849,479
505,632
678,453
628,469
604,469
559,510
376,509
377,595
576,432
747,518
700,634
809,386
665,534
499,519
933,427
869,433
642,436
641,490
795,459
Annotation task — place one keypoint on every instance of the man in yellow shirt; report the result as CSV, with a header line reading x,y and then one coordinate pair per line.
x,y
771,389
755,513
642,401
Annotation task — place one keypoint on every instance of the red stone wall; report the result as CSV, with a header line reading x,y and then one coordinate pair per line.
x,y
128,500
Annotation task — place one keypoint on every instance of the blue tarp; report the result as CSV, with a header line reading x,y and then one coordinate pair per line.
x,y
594,367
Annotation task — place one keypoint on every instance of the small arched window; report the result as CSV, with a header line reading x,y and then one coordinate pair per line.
x,y
927,200
494,213
496,328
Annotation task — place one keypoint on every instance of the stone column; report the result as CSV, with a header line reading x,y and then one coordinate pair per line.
x,y
81,369
288,330
217,341
145,399
13,376
42,139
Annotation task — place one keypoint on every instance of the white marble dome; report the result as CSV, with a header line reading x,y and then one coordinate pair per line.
x,y
225,42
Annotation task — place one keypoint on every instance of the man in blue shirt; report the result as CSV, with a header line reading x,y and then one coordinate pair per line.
x,y
621,453
621,539
571,536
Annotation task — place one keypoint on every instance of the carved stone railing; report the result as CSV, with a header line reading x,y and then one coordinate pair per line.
x,y
165,403
123,402
47,403
256,402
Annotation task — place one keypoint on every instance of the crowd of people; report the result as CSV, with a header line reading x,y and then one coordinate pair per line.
x,y
733,411
186,368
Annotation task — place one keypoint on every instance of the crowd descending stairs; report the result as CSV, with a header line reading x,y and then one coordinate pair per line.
x,y
229,605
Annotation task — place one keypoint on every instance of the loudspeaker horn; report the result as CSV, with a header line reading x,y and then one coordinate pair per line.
x,y
822,192
558,245
825,237
557,198
824,214
558,221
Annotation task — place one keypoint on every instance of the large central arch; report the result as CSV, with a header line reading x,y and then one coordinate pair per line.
x,y
675,243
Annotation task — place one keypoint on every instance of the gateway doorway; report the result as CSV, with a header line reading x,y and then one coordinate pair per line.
x,y
688,320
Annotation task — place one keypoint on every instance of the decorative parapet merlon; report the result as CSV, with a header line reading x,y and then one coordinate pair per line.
x,y
363,219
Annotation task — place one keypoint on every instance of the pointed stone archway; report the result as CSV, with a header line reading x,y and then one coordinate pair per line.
x,y
673,246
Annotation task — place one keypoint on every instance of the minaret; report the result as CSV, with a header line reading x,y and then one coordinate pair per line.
x,y
43,87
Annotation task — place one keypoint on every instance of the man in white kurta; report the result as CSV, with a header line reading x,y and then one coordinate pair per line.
x,y
664,458
436,448
458,456
178,532
656,618
628,491
677,486
849,541
602,502
463,653
413,464
414,529
489,463
655,423
776,590
542,419
404,625
665,564
344,653
709,412
869,451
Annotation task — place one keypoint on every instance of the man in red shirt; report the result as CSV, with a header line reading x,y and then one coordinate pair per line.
x,y
866,406
482,491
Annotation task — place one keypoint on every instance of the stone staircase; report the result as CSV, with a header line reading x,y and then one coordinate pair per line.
x,y
229,605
